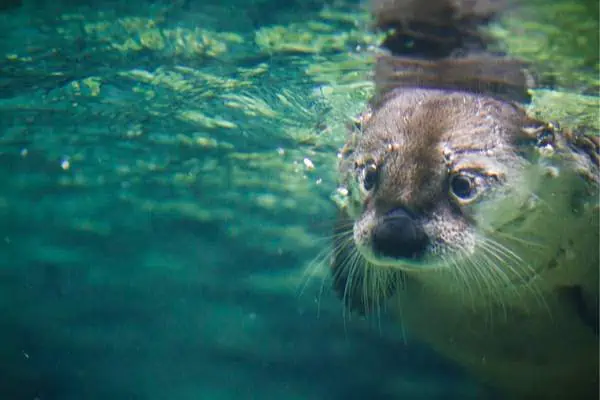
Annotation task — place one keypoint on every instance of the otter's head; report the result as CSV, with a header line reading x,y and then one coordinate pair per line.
x,y
437,181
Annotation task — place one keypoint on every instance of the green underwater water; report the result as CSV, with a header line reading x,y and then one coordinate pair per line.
x,y
167,171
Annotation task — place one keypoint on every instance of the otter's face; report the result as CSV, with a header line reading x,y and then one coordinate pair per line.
x,y
423,173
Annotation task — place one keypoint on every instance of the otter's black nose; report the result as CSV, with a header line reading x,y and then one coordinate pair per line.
x,y
398,236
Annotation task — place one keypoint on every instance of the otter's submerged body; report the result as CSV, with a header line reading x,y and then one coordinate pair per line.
x,y
476,224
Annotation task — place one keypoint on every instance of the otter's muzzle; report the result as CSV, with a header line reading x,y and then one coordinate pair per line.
x,y
399,236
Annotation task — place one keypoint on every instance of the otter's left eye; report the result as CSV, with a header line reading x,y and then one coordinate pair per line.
x,y
463,187
370,176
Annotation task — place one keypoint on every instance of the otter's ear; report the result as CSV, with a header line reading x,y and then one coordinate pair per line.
x,y
538,133
550,133
578,147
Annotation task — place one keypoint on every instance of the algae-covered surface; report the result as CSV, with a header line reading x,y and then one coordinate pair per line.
x,y
167,171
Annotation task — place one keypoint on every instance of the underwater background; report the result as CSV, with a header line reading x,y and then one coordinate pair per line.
x,y
167,170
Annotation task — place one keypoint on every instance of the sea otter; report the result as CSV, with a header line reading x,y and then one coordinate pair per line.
x,y
475,223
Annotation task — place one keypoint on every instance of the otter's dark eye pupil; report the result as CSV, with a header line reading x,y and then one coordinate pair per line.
x,y
370,178
462,187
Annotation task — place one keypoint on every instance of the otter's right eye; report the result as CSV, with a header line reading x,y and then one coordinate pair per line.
x,y
370,176
463,187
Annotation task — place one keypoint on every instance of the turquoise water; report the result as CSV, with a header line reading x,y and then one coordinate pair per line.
x,y
167,171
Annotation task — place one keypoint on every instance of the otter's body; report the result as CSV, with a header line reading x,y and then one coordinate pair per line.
x,y
479,226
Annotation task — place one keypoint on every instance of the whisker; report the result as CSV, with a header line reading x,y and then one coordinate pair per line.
x,y
514,264
312,269
338,233
320,264
520,240
352,265
462,278
485,289
496,275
